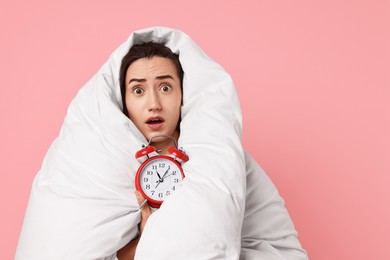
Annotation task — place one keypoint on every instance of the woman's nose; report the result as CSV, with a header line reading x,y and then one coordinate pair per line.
x,y
154,102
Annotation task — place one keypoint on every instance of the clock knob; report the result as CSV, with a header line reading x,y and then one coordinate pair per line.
x,y
178,153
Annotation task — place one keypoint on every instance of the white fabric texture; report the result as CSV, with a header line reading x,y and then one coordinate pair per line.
x,y
82,203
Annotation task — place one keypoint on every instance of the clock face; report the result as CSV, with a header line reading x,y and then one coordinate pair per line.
x,y
159,177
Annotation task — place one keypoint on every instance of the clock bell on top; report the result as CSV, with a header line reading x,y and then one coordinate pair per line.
x,y
149,151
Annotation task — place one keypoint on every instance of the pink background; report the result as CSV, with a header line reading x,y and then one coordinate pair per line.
x,y
313,80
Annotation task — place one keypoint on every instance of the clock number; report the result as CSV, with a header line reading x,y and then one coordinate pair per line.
x,y
160,195
146,179
176,180
174,188
149,172
168,193
154,167
147,187
173,172
153,192
161,165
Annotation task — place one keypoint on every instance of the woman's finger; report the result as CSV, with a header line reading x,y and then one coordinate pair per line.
x,y
145,209
139,196
142,202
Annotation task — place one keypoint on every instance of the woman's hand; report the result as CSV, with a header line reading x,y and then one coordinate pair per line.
x,y
128,251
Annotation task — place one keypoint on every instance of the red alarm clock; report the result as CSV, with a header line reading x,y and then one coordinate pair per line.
x,y
160,175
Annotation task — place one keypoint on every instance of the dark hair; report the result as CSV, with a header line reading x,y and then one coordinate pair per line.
x,y
146,50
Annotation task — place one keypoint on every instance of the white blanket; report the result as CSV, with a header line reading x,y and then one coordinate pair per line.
x,y
82,203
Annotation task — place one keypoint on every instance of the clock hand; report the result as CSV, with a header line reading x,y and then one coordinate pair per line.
x,y
167,175
166,172
159,177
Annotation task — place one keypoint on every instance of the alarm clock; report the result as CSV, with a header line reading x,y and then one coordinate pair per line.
x,y
159,176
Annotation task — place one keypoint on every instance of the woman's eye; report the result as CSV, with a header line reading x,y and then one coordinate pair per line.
x,y
138,91
165,88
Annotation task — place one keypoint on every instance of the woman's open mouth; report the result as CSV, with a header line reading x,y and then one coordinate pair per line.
x,y
155,122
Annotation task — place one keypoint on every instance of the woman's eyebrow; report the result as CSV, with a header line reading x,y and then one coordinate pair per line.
x,y
137,80
165,77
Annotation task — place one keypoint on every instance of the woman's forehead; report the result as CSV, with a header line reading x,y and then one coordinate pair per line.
x,y
151,68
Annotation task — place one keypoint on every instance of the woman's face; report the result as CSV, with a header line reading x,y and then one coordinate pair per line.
x,y
153,98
